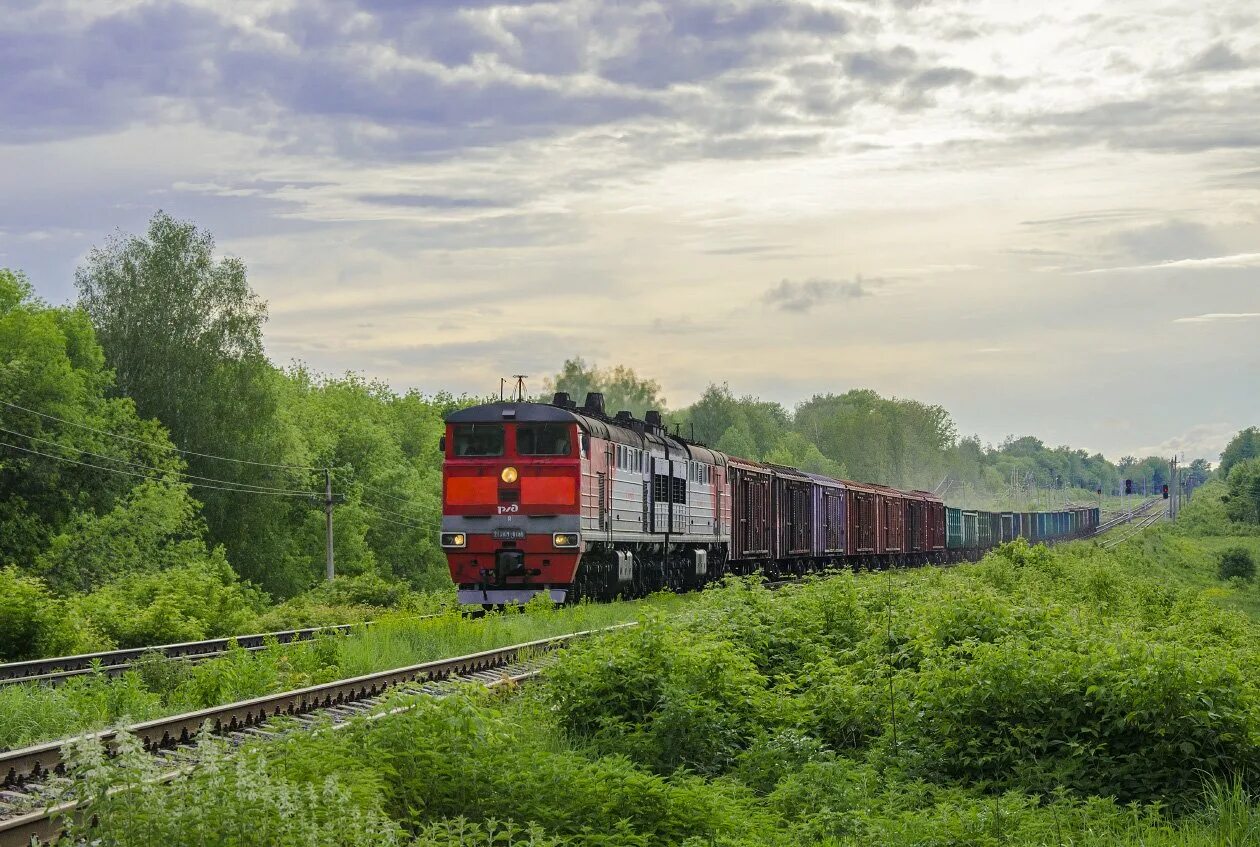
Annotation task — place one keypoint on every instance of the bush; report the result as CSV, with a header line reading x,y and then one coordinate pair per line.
x,y
24,603
1237,562
188,603
665,697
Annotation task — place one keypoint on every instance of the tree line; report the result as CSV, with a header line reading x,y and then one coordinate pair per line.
x,y
861,435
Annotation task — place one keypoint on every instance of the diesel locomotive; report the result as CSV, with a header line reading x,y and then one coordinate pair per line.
x,y
568,501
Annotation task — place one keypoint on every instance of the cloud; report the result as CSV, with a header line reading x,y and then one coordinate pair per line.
x,y
1219,57
1167,241
429,201
1212,317
1200,441
1237,260
803,296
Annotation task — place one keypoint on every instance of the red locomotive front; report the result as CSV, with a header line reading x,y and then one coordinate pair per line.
x,y
510,502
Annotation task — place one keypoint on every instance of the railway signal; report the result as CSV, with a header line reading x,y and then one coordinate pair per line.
x,y
1128,486
1165,491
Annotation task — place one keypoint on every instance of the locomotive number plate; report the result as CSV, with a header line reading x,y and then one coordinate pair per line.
x,y
508,533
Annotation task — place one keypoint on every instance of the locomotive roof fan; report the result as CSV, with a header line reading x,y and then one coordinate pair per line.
x,y
594,403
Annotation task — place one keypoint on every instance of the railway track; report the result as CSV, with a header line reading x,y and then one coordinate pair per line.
x,y
33,786
1125,517
1142,524
113,662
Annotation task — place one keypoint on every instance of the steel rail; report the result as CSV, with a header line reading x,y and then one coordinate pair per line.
x,y
27,763
113,662
24,768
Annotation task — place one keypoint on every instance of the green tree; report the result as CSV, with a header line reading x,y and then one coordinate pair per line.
x,y
1243,446
1243,497
154,527
71,451
621,386
183,331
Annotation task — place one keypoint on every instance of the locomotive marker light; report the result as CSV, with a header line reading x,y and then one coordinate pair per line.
x,y
454,539
565,539
509,475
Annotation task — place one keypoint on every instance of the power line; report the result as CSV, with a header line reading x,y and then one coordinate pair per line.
x,y
382,492
406,518
244,486
306,494
156,445
399,523
372,505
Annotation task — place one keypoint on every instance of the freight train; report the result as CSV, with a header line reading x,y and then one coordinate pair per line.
x,y
568,501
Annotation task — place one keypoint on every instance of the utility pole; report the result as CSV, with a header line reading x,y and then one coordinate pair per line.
x,y
329,571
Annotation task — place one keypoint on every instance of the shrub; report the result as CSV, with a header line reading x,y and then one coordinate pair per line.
x,y
663,696
1101,712
24,612
187,603
1236,562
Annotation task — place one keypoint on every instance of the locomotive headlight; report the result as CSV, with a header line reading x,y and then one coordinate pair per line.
x,y
454,539
509,475
565,539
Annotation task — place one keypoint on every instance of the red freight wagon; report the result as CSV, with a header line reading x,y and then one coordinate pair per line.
x,y
863,518
891,538
792,501
917,518
751,493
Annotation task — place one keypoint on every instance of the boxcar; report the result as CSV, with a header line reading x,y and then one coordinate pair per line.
x,y
750,511
935,521
828,501
917,518
862,516
891,539
791,509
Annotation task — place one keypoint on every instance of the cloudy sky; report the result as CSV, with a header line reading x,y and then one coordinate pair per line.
x,y
1044,216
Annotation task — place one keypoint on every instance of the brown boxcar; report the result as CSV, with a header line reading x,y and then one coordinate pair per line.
x,y
791,512
751,495
863,518
925,522
891,538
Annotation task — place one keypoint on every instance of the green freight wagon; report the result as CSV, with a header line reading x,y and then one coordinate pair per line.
x,y
984,530
953,529
970,530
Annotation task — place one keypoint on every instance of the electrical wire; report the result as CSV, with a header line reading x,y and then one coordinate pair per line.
x,y
245,486
406,518
306,494
382,491
156,445
372,505
399,523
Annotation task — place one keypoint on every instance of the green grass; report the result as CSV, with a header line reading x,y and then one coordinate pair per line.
x,y
33,713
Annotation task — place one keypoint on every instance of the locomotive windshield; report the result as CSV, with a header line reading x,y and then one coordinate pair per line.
x,y
478,439
542,439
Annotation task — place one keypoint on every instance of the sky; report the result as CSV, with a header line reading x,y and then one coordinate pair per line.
x,y
1044,217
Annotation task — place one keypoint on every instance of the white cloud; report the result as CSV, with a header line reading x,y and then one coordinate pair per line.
x,y
1211,317
1236,260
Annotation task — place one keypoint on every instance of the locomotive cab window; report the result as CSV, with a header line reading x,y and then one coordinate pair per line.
x,y
543,439
478,439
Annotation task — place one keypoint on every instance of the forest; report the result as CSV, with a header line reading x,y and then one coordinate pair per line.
x,y
161,479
